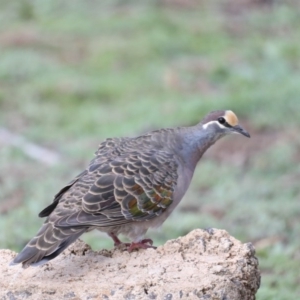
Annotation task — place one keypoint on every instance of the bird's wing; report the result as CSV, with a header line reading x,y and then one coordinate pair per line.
x,y
49,209
131,186
108,149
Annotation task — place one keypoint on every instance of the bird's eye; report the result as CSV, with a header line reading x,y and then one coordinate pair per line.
x,y
221,120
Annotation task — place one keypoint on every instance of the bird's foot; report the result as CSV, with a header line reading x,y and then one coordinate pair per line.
x,y
117,243
143,244
116,240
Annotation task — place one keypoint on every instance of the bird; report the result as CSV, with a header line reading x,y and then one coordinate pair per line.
x,y
132,184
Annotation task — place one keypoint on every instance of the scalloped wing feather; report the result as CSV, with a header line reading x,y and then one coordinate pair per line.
x,y
133,186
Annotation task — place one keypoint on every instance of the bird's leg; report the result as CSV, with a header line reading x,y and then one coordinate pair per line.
x,y
143,244
116,240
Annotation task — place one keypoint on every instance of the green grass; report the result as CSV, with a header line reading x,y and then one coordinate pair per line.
x,y
73,73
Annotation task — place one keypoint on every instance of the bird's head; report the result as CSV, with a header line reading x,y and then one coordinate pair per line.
x,y
223,122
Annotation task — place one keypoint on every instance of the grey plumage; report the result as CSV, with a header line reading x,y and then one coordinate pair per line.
x,y
132,184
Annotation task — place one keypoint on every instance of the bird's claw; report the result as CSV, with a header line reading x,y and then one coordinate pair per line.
x,y
143,244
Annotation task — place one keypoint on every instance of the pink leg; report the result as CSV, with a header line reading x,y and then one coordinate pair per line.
x,y
116,240
143,244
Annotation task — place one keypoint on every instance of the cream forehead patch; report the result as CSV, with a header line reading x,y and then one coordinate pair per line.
x,y
231,118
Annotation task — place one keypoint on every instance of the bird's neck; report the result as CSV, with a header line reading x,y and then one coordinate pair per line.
x,y
196,141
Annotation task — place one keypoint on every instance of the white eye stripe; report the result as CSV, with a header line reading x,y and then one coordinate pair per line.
x,y
213,122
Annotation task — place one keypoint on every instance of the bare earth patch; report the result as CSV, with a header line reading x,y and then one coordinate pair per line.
x,y
201,265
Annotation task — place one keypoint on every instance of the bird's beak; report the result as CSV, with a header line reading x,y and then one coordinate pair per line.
x,y
241,130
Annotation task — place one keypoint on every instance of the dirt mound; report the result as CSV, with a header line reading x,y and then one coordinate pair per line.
x,y
201,265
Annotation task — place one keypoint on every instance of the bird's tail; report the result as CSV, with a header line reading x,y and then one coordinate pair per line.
x,y
49,242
